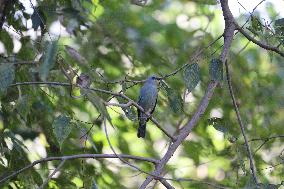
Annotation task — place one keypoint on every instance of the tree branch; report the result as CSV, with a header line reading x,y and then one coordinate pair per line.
x,y
163,181
78,156
252,166
51,175
100,91
228,37
263,45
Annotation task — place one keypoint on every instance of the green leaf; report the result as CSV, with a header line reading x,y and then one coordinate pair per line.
x,y
23,106
61,128
7,76
175,100
279,22
218,124
97,102
38,19
256,25
17,144
216,70
130,112
6,39
191,76
192,150
48,60
279,29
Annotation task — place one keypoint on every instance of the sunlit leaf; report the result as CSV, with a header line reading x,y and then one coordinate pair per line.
x,y
216,70
7,75
191,76
61,128
17,144
48,60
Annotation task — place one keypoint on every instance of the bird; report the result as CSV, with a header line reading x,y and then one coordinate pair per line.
x,y
147,100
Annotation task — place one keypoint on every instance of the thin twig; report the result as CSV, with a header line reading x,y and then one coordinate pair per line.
x,y
228,37
118,105
252,166
192,59
77,156
101,91
126,162
51,175
267,138
21,62
255,41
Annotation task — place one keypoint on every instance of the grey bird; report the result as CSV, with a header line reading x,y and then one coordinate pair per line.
x,y
147,100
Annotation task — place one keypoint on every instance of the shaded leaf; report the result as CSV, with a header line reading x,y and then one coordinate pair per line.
x,y
48,60
256,26
17,144
175,100
279,29
6,39
191,76
36,177
279,22
75,54
216,70
38,19
97,102
192,150
7,76
23,106
129,111
218,124
61,128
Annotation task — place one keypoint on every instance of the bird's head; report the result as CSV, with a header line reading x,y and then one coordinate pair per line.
x,y
152,79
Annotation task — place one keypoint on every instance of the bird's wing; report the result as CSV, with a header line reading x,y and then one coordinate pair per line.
x,y
154,106
138,111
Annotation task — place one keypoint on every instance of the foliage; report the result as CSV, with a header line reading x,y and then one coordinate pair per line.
x,y
117,44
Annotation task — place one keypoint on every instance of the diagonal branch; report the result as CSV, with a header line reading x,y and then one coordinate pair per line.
x,y
252,166
163,181
228,37
51,175
259,43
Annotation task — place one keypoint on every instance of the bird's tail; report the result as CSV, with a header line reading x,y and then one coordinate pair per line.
x,y
142,130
